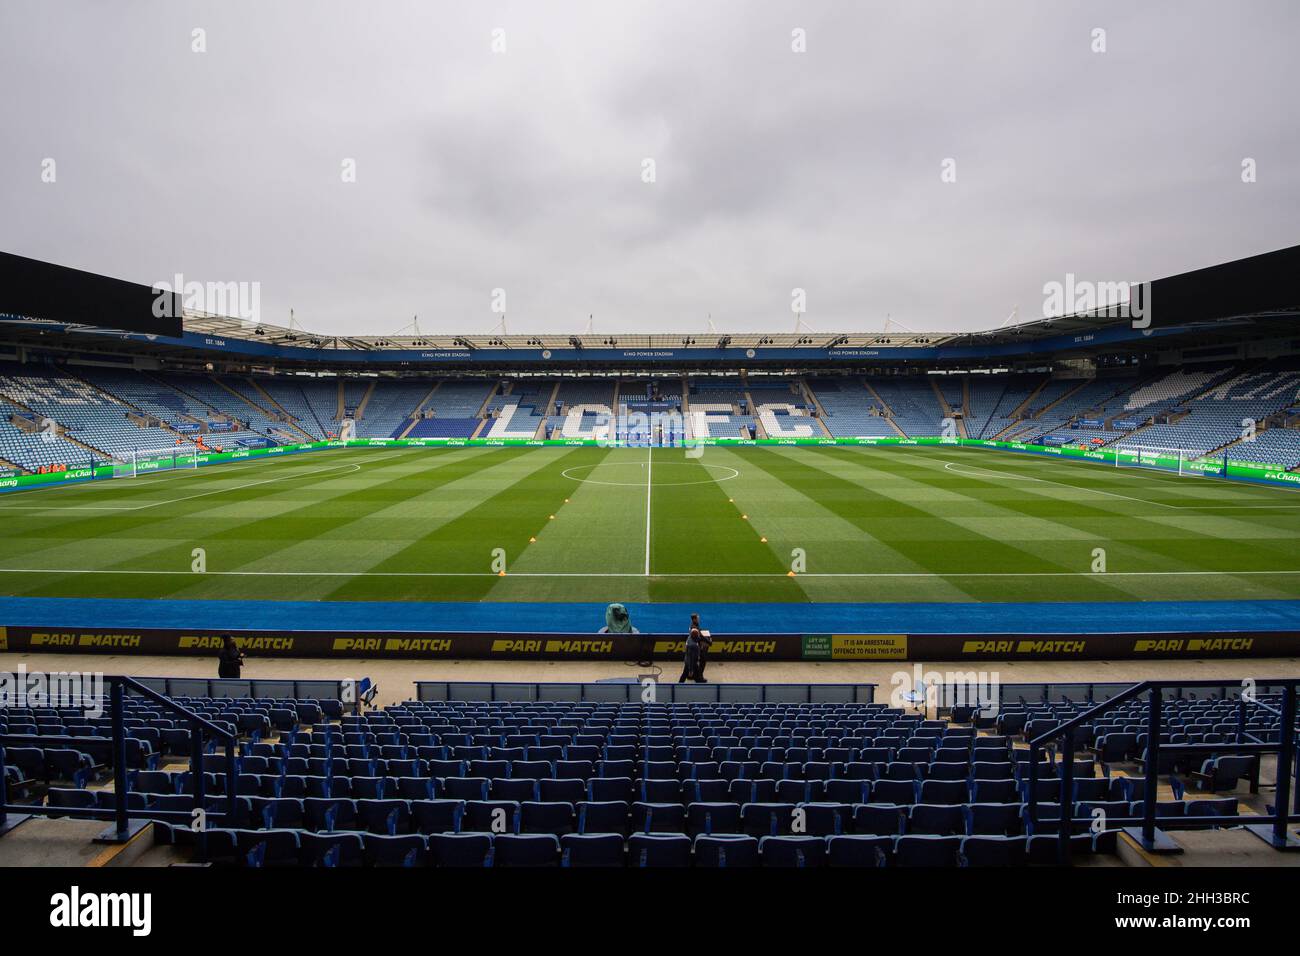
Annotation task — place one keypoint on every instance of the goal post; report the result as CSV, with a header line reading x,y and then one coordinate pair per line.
x,y
1175,461
145,461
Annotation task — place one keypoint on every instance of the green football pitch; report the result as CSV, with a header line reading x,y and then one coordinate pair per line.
x,y
597,524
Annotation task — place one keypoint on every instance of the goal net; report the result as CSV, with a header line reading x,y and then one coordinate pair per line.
x,y
1176,461
145,461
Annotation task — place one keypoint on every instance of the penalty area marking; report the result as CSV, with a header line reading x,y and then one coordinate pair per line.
x,y
954,467
169,501
638,483
948,466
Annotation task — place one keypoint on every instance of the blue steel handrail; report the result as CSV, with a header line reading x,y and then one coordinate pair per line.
x,y
1044,688
121,814
1285,749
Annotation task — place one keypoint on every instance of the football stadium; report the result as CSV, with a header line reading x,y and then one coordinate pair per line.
x,y
639,593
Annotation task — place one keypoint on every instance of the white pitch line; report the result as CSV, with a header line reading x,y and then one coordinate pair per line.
x,y
250,484
1165,479
1232,507
9,507
140,481
170,501
1190,505
668,574
649,470
947,465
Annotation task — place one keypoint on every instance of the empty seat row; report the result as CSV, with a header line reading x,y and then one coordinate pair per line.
x,y
287,847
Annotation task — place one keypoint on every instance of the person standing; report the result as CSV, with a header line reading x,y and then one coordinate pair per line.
x,y
705,640
230,659
691,661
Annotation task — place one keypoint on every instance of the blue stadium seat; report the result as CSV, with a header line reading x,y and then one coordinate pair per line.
x,y
792,851
526,849
437,816
461,849
592,849
403,850
937,819
659,849
553,818
926,850
389,817
711,818
464,788
858,850
331,849
992,851
766,819
658,818
563,790
827,819
603,816
264,848
726,850
879,819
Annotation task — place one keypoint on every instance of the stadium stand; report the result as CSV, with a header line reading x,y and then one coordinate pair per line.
x,y
993,399
911,402
1279,446
311,402
355,392
85,413
721,401
101,412
391,406
443,428
851,411
459,399
188,418
1087,400
1218,417
569,783
590,391
32,452
253,417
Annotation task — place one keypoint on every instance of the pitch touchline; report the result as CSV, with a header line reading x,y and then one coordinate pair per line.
x,y
670,574
649,469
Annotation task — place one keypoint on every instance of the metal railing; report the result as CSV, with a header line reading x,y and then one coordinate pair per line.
x,y
1092,692
121,814
630,691
1270,827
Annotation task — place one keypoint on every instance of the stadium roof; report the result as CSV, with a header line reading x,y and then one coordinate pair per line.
x,y
1253,297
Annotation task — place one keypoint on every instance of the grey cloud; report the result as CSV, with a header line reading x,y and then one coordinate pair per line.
x,y
522,171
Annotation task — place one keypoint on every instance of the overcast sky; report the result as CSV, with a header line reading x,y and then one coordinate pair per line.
x,y
524,169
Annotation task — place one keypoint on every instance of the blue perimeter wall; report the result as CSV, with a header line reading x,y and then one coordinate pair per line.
x,y
499,617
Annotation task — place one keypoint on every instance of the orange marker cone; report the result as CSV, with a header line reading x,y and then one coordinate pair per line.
x,y
789,574
501,574
762,540
532,540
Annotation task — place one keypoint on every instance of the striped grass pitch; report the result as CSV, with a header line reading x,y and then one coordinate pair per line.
x,y
631,524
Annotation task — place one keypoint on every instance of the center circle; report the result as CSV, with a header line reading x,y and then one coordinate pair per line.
x,y
641,465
